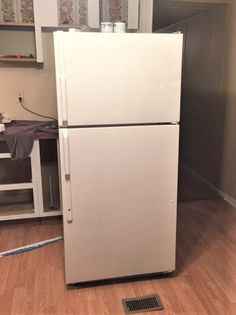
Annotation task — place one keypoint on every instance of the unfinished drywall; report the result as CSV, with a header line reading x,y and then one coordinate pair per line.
x,y
38,85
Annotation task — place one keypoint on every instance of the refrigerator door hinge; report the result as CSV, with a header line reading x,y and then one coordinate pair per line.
x,y
64,123
69,215
67,176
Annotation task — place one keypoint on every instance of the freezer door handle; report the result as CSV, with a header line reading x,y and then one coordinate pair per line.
x,y
61,76
62,80
66,154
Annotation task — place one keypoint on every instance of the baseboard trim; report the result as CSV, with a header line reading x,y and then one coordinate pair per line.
x,y
221,193
227,198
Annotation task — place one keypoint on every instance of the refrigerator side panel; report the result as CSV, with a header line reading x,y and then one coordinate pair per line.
x,y
122,78
123,202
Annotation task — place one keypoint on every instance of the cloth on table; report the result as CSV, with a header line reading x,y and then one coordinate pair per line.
x,y
19,136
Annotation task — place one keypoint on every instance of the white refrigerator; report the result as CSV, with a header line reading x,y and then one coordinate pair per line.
x,y
118,99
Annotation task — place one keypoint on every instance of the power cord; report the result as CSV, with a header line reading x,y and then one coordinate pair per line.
x,y
32,112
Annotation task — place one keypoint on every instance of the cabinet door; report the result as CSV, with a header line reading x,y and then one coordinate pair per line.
x,y
90,12
45,12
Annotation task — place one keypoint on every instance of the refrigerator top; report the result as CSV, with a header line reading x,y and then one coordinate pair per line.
x,y
117,78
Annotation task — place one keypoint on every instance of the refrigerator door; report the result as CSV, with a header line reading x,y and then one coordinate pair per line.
x,y
117,78
120,217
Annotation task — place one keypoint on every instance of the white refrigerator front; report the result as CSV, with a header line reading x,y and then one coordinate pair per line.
x,y
118,105
105,78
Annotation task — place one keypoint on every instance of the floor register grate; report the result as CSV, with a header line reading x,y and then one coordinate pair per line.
x,y
142,304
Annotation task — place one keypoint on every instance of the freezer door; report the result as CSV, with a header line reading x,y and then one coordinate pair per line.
x,y
118,78
122,217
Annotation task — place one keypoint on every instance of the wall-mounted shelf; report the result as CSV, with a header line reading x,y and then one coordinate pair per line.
x,y
18,59
18,42
16,24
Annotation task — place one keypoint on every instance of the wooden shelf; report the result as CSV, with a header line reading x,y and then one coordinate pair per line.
x,y
18,59
59,27
16,24
68,25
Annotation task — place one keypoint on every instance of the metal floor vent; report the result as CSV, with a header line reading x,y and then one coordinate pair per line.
x,y
142,304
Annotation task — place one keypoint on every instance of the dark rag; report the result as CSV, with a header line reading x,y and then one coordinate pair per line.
x,y
20,136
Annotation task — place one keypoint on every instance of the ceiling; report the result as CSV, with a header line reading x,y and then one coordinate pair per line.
x,y
168,12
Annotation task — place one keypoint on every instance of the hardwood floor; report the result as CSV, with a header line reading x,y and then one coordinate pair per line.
x,y
204,283
20,233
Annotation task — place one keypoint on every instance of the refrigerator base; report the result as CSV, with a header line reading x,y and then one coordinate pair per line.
x,y
142,277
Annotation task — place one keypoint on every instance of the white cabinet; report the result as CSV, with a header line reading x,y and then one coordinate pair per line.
x,y
93,14
133,14
27,36
45,13
29,188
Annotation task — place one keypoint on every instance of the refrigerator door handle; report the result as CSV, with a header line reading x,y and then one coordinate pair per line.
x,y
61,77
67,204
66,154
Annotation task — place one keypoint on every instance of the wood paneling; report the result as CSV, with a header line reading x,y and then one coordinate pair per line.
x,y
229,101
204,283
203,110
168,12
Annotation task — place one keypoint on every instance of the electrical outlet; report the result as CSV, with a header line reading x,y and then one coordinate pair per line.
x,y
20,96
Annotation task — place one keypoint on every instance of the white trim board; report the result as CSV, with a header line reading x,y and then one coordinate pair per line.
x,y
146,16
221,193
26,248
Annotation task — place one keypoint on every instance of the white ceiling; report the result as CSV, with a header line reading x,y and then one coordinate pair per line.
x,y
167,12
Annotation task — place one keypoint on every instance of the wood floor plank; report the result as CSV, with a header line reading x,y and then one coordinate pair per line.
x,y
14,235
203,284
